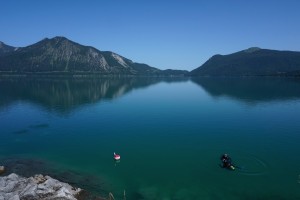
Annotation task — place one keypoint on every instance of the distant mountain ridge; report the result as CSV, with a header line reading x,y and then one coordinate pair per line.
x,y
4,49
60,54
252,62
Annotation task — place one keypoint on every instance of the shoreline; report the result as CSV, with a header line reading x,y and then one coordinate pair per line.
x,y
33,170
17,187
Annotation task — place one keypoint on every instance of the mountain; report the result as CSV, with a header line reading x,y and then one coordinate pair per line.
x,y
4,49
61,55
252,62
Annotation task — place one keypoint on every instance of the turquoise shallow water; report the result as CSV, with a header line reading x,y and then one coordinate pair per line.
x,y
170,133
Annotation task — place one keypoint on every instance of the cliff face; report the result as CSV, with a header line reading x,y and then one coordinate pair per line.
x,y
62,55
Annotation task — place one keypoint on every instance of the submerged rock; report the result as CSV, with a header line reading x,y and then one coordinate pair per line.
x,y
38,187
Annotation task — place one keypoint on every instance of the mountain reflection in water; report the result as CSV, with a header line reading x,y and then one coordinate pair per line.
x,y
69,93
251,90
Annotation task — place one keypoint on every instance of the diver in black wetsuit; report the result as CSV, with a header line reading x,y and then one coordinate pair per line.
x,y
226,161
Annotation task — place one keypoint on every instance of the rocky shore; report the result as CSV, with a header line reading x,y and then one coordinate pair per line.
x,y
59,184
38,187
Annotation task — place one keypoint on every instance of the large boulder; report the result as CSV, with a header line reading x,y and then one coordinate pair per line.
x,y
39,187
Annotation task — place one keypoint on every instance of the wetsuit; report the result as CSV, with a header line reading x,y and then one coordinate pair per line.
x,y
226,161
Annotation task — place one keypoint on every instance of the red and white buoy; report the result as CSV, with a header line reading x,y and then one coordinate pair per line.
x,y
116,156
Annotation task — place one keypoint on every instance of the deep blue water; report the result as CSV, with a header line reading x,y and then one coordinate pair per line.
x,y
169,132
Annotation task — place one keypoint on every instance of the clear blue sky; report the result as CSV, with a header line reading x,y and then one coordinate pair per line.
x,y
178,34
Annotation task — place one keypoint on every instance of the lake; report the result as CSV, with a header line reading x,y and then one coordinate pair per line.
x,y
170,133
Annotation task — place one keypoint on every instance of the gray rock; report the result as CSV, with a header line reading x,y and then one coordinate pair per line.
x,y
39,187
15,197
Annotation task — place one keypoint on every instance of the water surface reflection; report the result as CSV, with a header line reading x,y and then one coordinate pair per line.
x,y
251,90
65,95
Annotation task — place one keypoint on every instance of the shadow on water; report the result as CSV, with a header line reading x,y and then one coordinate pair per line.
x,y
39,126
22,131
251,90
65,95
30,128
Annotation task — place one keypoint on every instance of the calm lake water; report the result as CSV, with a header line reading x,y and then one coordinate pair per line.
x,y
169,132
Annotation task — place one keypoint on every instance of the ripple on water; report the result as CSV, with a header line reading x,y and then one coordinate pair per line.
x,y
250,165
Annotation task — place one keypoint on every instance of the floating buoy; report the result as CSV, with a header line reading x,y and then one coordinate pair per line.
x,y
2,169
116,156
